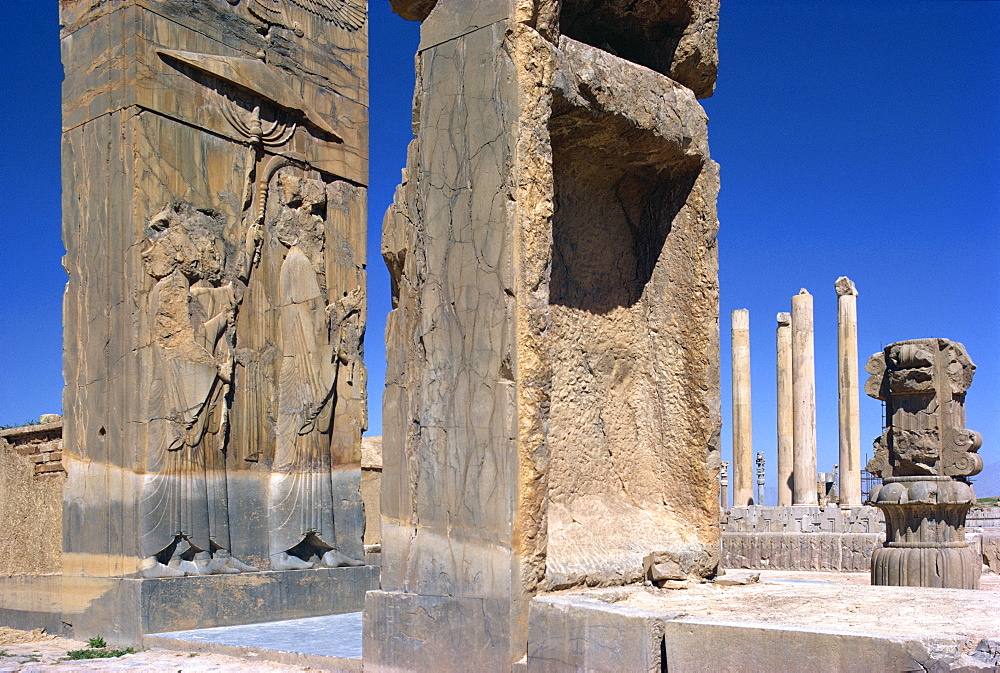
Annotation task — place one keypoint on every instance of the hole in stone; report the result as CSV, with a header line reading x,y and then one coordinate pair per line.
x,y
646,32
613,212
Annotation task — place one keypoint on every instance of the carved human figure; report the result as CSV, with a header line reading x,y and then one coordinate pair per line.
x,y
185,522
301,512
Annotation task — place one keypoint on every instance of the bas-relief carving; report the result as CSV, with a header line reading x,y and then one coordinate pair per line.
x,y
255,76
295,343
276,12
201,286
311,338
185,514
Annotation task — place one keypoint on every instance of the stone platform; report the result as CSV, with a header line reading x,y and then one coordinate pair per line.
x,y
122,610
331,643
819,621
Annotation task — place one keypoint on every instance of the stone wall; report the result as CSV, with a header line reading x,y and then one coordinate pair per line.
x,y
828,538
980,517
31,485
371,488
42,444
801,538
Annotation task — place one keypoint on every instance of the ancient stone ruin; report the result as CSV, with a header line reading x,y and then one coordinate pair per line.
x,y
551,413
924,457
215,163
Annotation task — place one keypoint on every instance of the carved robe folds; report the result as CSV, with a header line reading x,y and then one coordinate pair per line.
x,y
215,157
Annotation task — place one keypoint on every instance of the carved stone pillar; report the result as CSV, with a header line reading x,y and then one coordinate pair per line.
x,y
551,408
849,492
742,428
760,479
804,400
724,485
924,457
785,401
215,157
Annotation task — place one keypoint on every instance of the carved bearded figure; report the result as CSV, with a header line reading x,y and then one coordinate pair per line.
x,y
301,511
184,502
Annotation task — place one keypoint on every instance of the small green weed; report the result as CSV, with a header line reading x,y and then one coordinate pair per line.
x,y
96,642
20,425
98,653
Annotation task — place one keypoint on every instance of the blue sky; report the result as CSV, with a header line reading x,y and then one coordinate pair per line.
x,y
855,138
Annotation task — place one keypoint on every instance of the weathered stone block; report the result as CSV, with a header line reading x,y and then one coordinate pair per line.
x,y
681,563
578,633
122,610
551,408
216,233
465,634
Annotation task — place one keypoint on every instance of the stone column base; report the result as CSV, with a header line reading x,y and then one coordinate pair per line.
x,y
947,568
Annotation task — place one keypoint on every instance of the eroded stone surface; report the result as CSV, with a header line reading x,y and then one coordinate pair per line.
x,y
31,487
924,457
215,228
551,408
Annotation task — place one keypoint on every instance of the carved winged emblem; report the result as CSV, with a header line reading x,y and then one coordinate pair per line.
x,y
339,12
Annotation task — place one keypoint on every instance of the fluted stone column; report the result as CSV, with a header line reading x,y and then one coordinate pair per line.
x,y
847,387
804,401
785,425
742,429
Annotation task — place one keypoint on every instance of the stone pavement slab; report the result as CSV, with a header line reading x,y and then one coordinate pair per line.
x,y
329,643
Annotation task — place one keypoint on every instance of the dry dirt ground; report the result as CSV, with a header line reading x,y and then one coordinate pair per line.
x,y
38,651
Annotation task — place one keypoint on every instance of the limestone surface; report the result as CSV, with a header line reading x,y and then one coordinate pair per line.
x,y
214,170
551,412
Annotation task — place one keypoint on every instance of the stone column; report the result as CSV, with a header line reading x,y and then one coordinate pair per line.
x,y
724,486
847,388
925,457
804,400
760,478
785,424
742,428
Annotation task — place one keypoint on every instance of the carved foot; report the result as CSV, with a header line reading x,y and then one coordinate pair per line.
x,y
220,566
230,564
334,559
152,569
286,561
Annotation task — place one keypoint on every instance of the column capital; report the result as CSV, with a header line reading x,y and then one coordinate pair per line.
x,y
784,319
845,287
